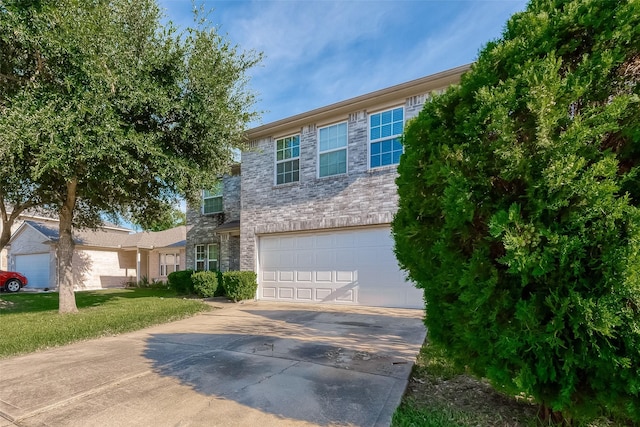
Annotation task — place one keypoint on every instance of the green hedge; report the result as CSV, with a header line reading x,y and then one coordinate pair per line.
x,y
180,282
240,285
205,283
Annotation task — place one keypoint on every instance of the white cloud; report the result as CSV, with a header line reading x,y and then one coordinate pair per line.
x,y
320,52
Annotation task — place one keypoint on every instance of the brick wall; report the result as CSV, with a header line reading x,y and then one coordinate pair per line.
x,y
359,198
200,228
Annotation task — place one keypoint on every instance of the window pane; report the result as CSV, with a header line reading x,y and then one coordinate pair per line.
x,y
375,120
396,157
397,128
386,117
333,163
287,171
213,251
385,153
212,205
332,137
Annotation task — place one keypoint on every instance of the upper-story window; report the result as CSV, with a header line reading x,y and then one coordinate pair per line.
x,y
332,150
288,159
385,129
212,199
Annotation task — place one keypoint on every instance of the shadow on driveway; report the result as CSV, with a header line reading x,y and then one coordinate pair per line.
x,y
326,368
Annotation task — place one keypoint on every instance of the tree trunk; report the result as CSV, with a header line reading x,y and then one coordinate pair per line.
x,y
65,252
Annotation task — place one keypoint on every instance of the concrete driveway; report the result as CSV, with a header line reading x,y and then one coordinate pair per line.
x,y
252,364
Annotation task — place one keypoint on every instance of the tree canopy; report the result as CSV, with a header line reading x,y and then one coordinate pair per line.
x,y
108,110
519,209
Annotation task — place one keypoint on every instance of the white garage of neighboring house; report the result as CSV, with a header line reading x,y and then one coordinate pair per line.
x,y
104,258
351,266
98,262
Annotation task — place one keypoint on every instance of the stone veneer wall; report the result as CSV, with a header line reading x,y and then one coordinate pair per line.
x,y
200,228
362,197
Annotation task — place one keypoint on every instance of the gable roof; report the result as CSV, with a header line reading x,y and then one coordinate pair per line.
x,y
112,237
171,238
102,237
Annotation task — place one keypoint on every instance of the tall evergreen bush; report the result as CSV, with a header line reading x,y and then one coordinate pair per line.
x,y
519,195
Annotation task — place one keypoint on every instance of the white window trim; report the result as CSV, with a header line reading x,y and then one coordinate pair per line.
x,y
204,260
373,141
163,263
276,161
345,148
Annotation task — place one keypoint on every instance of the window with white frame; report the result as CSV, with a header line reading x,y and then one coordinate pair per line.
x,y
385,129
200,258
288,159
207,257
212,199
332,150
169,263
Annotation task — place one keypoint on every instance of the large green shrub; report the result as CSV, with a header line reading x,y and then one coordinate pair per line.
x,y
180,281
205,283
240,285
519,193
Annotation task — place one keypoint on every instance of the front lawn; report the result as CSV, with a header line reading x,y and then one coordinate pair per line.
x,y
30,321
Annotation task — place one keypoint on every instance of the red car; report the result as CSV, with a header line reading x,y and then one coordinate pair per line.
x,y
11,281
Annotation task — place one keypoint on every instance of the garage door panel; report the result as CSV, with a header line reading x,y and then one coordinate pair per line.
x,y
344,276
324,276
348,267
35,267
285,293
304,276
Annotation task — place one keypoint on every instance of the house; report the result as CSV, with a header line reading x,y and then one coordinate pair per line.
x,y
317,197
157,253
104,258
26,215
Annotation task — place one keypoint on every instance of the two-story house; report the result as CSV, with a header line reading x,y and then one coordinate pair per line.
x,y
317,196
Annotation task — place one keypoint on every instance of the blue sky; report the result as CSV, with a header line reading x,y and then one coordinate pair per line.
x,y
317,52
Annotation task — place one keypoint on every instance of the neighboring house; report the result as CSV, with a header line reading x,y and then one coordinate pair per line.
x,y
28,215
318,195
157,254
104,258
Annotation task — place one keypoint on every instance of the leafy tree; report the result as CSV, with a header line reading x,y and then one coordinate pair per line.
x,y
519,209
164,219
116,112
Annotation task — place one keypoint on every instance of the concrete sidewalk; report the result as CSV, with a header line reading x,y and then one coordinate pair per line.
x,y
253,364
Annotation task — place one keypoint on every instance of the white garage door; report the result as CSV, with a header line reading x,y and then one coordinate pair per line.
x,y
35,267
351,267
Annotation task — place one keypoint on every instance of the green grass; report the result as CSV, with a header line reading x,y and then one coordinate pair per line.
x,y
31,322
412,414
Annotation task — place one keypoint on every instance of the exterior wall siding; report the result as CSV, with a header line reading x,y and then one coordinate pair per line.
x,y
98,269
361,197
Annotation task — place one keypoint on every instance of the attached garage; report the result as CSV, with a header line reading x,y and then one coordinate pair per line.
x,y
355,266
35,267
